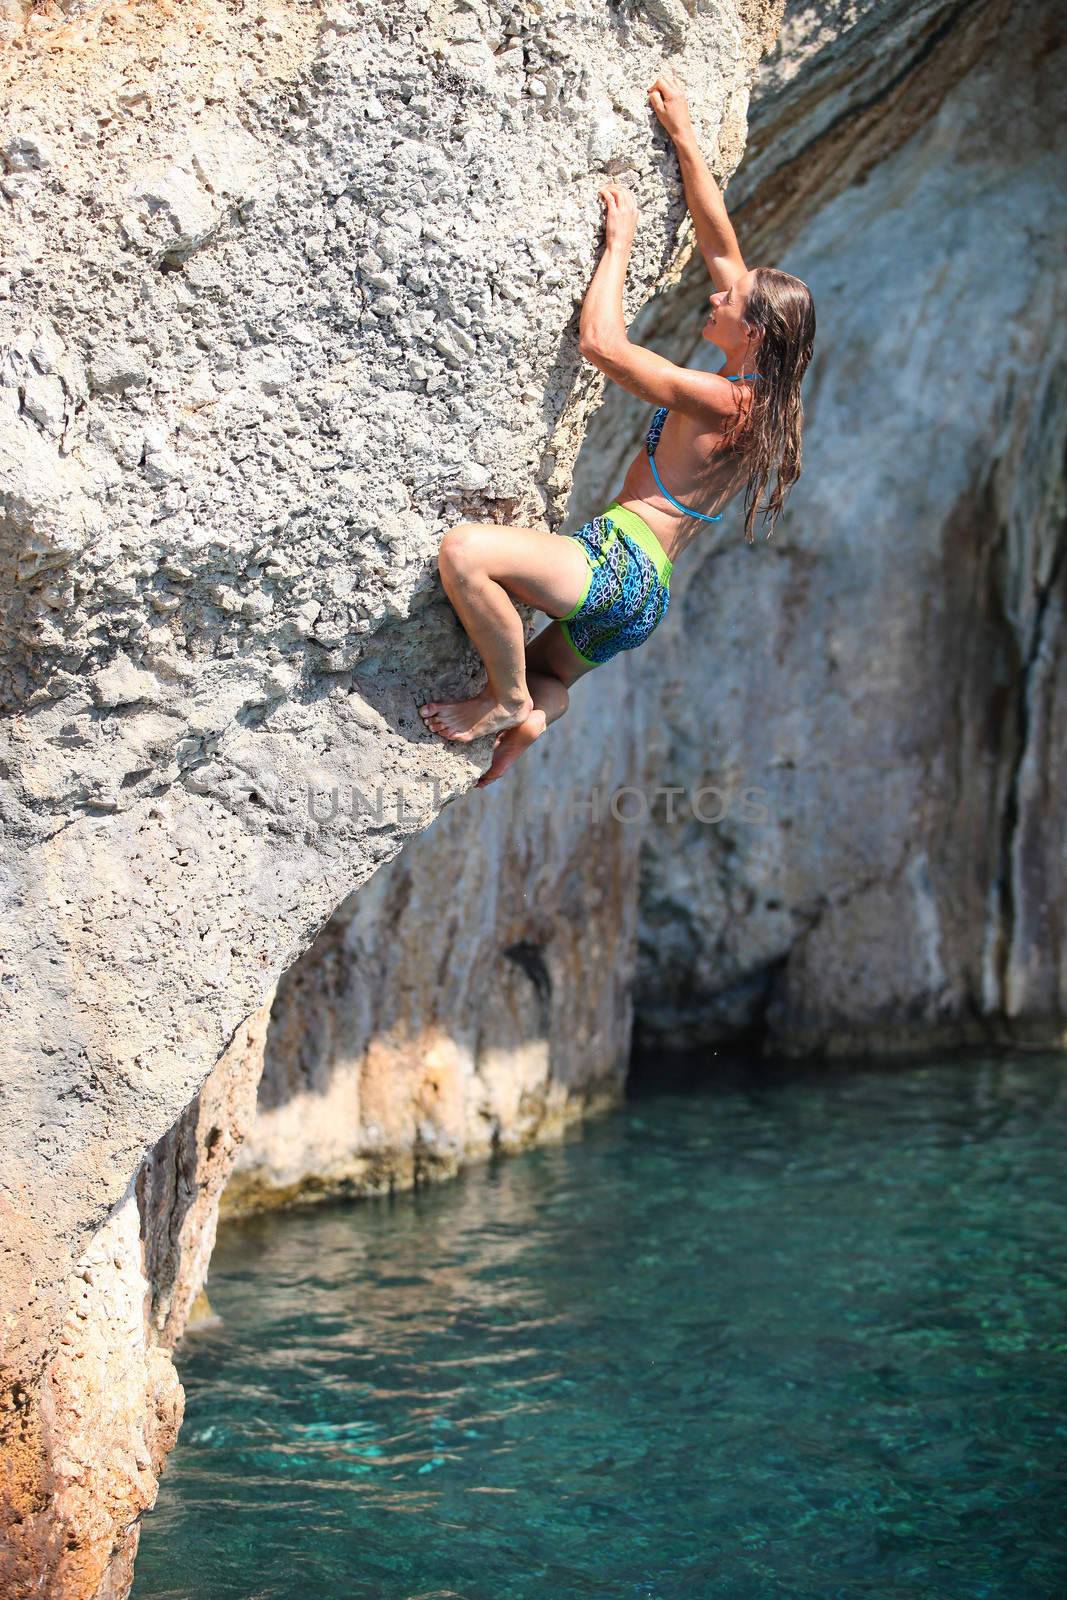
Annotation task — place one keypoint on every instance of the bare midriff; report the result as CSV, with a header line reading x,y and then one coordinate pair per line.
x,y
673,528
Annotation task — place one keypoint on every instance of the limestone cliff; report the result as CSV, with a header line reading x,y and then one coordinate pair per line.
x,y
286,290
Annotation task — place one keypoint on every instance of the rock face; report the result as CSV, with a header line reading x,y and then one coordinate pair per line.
x,y
85,1444
267,291
475,995
802,794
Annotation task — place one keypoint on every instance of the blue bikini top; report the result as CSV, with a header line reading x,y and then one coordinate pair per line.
x,y
655,428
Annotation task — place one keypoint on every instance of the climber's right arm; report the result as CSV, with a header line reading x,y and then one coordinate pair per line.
x,y
714,230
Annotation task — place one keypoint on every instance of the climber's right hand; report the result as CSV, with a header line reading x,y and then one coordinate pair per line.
x,y
667,99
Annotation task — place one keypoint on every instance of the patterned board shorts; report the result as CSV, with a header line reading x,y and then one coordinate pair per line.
x,y
628,590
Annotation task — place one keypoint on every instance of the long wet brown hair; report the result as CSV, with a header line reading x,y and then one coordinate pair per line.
x,y
781,308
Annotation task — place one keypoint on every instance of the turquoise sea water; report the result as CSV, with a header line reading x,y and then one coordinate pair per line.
x,y
797,1336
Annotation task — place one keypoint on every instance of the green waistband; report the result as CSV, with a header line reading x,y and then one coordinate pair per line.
x,y
639,529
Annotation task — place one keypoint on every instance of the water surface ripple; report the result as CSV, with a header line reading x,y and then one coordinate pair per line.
x,y
798,1335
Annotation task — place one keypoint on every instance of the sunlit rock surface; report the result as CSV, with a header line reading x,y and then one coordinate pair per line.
x,y
186,699
84,1445
286,291
474,997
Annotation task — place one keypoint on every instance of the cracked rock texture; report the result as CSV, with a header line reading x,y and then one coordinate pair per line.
x,y
285,291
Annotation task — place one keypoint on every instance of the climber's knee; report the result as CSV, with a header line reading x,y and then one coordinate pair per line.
x,y
463,550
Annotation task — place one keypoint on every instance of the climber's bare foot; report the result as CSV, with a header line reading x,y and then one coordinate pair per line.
x,y
511,744
464,720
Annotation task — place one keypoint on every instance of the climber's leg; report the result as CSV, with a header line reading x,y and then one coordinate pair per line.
x,y
550,702
545,654
482,566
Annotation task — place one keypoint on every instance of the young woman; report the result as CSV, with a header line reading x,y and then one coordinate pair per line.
x,y
607,586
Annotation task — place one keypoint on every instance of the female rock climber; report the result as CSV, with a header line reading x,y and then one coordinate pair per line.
x,y
607,586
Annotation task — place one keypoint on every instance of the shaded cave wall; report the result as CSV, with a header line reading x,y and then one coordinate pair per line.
x,y
892,672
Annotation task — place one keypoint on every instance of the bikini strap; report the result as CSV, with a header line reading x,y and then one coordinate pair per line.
x,y
701,515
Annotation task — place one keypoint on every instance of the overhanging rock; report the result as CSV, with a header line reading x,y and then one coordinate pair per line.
x,y
288,290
